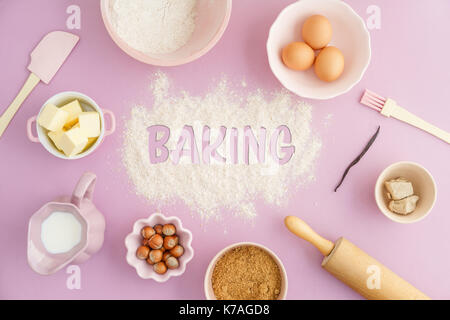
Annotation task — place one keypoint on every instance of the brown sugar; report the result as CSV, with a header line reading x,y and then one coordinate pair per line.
x,y
246,273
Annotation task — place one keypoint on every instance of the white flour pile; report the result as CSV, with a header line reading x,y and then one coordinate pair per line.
x,y
217,188
154,26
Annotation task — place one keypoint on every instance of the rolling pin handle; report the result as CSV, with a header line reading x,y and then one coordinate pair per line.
x,y
304,231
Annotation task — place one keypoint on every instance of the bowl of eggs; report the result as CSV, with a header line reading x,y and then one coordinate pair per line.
x,y
319,49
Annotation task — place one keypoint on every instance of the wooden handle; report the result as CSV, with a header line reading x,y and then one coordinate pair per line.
x,y
392,109
302,230
6,118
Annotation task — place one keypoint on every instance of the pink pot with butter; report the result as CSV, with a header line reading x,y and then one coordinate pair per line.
x,y
66,231
87,104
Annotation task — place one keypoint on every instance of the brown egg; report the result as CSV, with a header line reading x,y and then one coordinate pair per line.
x,y
317,32
298,56
329,64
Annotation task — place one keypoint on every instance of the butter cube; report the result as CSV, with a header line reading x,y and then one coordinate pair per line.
x,y
73,142
90,123
55,136
91,142
52,118
74,109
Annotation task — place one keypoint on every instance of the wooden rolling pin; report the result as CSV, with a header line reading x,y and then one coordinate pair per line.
x,y
356,268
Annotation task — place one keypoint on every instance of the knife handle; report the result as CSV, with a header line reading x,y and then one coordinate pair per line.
x,y
7,116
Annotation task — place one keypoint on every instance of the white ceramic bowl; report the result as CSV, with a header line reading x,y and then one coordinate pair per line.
x,y
209,292
211,22
350,35
134,241
423,184
87,104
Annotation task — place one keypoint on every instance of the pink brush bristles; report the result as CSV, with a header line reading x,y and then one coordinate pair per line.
x,y
373,100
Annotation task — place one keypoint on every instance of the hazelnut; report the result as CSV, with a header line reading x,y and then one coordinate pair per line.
x,y
170,242
163,249
160,267
156,242
169,230
145,242
147,232
150,262
177,251
158,228
142,252
172,263
155,256
166,255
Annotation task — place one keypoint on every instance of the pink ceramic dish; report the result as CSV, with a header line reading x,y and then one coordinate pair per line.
x,y
92,223
209,292
88,104
134,240
211,22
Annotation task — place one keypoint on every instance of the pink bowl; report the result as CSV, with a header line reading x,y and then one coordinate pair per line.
x,y
134,241
209,292
212,20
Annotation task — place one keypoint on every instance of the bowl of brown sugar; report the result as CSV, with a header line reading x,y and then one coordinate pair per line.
x,y
246,271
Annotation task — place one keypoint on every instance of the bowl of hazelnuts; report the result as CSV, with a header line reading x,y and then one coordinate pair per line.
x,y
159,247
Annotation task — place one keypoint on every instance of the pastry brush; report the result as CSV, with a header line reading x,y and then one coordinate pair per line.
x,y
389,108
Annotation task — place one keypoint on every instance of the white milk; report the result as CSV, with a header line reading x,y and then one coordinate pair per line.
x,y
60,232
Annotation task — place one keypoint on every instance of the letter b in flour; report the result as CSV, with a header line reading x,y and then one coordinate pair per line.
x,y
156,144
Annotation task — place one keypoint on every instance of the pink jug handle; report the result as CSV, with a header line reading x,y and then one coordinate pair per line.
x,y
84,188
30,135
112,119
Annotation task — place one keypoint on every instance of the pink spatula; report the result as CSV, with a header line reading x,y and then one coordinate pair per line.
x,y
46,59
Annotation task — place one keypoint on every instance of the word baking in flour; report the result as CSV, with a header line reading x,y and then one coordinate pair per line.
x,y
196,128
187,146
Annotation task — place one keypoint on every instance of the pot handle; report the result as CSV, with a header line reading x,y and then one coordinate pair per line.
x,y
30,135
84,189
112,119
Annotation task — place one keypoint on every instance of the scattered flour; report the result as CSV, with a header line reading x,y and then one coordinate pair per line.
x,y
154,26
218,188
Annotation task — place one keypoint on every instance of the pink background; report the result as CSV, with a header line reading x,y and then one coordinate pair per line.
x,y
410,63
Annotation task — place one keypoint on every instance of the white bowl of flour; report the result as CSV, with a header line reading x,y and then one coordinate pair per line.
x,y
166,32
